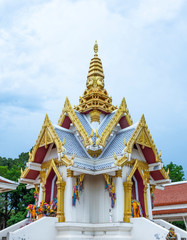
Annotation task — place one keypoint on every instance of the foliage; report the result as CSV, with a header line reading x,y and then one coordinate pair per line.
x,y
180,224
176,172
13,204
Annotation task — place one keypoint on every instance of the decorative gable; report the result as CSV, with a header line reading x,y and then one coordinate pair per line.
x,y
143,139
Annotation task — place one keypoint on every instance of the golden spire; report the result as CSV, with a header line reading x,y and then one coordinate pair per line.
x,y
95,97
95,78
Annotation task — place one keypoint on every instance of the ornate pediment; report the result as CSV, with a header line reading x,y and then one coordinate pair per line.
x,y
113,122
46,139
143,139
68,110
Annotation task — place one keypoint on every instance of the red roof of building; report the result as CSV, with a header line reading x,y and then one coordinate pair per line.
x,y
174,193
7,185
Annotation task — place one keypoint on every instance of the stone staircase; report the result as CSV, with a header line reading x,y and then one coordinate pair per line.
x,y
5,232
181,234
48,228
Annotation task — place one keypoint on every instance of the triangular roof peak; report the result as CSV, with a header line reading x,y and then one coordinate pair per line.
x,y
143,137
46,136
68,110
114,121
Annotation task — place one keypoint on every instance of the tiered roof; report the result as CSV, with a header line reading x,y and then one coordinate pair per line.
x,y
96,135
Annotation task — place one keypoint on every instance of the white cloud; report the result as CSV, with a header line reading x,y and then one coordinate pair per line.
x,y
47,45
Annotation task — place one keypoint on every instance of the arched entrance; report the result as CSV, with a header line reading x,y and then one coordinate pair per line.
x,y
53,185
135,187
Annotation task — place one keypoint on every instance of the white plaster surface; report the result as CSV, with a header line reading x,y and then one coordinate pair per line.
x,y
75,231
4,232
144,229
119,200
94,203
42,229
149,204
49,229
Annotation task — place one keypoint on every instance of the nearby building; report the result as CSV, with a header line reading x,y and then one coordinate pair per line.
x,y
110,164
171,203
7,185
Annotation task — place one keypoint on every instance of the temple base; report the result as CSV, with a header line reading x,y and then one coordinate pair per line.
x,y
67,231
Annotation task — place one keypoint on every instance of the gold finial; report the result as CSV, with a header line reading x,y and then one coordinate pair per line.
x,y
96,134
91,135
95,47
125,142
115,157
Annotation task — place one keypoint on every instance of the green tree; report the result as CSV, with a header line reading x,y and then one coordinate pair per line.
x,y
13,204
176,172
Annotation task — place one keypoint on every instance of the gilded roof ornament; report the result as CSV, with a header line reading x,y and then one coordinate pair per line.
x,y
96,48
95,96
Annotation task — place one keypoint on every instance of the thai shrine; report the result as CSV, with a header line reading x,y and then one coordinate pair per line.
x,y
98,164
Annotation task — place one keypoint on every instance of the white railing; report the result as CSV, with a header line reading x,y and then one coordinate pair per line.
x,y
43,228
179,232
4,232
144,229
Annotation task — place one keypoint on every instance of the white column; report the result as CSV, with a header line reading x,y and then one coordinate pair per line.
x,y
119,205
149,204
40,195
68,200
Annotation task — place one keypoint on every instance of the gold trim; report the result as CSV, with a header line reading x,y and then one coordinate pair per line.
x,y
140,133
113,122
127,201
121,161
52,166
119,173
69,173
46,136
164,173
145,201
24,173
143,169
95,116
60,187
140,166
60,203
76,122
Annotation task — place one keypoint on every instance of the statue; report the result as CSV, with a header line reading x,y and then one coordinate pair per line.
x,y
171,234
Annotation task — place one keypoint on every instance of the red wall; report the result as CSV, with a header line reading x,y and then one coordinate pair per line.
x,y
48,186
140,190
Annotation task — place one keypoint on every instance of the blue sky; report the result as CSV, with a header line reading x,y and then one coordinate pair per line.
x,y
46,47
